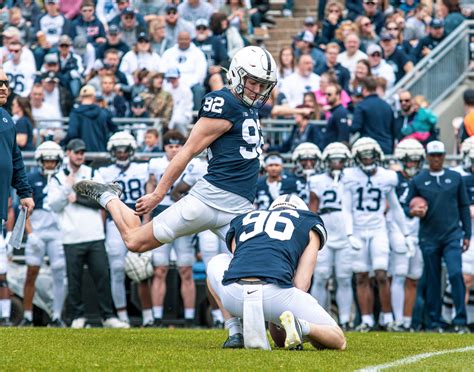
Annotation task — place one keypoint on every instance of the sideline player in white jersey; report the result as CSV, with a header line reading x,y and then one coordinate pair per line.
x,y
367,187
406,267
467,171
173,141
44,236
326,192
132,178
307,159
19,70
229,126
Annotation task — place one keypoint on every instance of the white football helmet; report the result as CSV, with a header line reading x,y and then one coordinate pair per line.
x,y
336,156
122,141
410,151
367,154
258,64
306,151
49,150
288,201
467,152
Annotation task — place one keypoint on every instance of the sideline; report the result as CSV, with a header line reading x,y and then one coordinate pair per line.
x,y
414,359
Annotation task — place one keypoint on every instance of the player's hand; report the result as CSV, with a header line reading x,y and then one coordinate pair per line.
x,y
34,242
465,245
410,242
147,203
72,197
419,211
29,204
355,243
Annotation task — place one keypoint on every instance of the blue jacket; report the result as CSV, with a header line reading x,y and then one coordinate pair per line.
x,y
373,117
448,214
337,127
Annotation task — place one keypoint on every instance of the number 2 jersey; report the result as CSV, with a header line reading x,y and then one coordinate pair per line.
x,y
269,244
233,157
369,195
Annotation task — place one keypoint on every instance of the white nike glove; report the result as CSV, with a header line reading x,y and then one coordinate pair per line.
x,y
34,242
410,242
355,243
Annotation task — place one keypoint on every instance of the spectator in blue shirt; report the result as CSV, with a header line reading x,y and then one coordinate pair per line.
x,y
337,128
88,24
21,110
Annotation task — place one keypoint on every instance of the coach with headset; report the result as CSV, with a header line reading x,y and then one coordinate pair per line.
x,y
445,232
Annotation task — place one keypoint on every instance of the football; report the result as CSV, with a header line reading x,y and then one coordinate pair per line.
x,y
418,201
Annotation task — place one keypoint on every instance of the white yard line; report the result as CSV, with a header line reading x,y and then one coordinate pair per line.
x,y
414,359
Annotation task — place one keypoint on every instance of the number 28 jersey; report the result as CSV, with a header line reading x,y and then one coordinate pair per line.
x,y
233,157
369,195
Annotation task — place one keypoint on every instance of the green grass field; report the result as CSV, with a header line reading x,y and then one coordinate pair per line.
x,y
177,349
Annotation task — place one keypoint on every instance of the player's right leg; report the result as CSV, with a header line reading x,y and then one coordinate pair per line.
x,y
161,261
322,273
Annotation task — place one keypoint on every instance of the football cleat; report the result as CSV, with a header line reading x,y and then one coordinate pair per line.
x,y
234,342
394,327
294,334
5,322
150,324
114,323
461,329
78,323
94,190
158,323
346,327
26,323
218,324
364,328
56,323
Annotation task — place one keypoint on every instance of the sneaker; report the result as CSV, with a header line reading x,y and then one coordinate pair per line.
x,y
94,190
26,323
218,324
78,323
114,323
364,328
461,329
394,327
56,323
150,324
234,342
158,323
5,322
292,326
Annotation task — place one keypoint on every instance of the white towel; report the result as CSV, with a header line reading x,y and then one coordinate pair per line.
x,y
255,335
18,230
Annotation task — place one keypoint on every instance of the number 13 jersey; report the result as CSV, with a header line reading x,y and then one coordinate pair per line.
x,y
369,195
233,157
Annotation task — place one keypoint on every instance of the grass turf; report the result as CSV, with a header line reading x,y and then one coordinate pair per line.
x,y
177,349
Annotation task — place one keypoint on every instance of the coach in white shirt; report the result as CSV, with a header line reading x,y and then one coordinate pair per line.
x,y
378,66
352,54
301,81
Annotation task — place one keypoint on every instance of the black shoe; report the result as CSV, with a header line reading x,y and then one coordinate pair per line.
x,y
364,328
218,324
189,323
234,342
56,323
394,327
94,190
158,323
437,330
26,323
5,322
346,327
461,329
150,324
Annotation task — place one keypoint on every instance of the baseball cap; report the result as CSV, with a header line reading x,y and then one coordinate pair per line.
x,y
138,101
142,36
273,159
171,73
11,32
202,22
65,39
51,58
435,147
308,21
87,91
370,1
468,96
80,44
50,77
113,30
385,36
128,11
52,1
171,7
437,23
374,48
76,144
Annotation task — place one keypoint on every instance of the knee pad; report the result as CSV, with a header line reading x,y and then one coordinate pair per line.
x,y
58,266
117,268
161,256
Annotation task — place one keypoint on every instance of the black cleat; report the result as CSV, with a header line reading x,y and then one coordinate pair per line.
x,y
218,324
5,322
94,190
234,342
461,329
56,323
364,328
26,323
158,323
189,323
150,324
346,327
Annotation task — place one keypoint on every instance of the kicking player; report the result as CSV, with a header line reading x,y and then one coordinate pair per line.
x,y
326,191
406,266
275,182
307,158
279,275
44,236
228,125
367,187
132,178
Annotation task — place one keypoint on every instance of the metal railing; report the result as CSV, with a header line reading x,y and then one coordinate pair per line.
x,y
442,70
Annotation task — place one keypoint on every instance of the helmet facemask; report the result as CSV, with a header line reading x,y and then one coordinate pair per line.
x,y
412,165
122,155
367,160
260,97
306,166
468,161
334,166
49,172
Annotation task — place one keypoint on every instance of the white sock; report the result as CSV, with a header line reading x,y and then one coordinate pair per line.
x,y
123,316
368,319
28,315
387,318
147,315
189,313
217,315
5,307
407,321
107,197
398,297
158,312
305,328
234,326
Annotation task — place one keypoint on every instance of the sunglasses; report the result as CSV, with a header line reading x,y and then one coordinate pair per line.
x,y
172,12
201,28
392,29
366,24
405,100
15,50
376,54
64,45
4,83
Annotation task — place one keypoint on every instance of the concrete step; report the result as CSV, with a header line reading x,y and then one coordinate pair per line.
x,y
293,22
280,34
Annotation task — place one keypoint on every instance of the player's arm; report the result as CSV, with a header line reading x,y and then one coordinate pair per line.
x,y
397,211
307,263
179,190
204,132
313,202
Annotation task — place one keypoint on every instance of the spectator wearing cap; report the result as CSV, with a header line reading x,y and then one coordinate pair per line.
x,y
375,15
373,117
85,50
337,127
342,74
444,234
192,65
12,34
114,102
89,122
70,66
428,43
450,11
182,102
121,5
332,19
43,114
158,102
158,39
213,46
304,44
88,24
192,10
379,66
138,109
237,15
130,27
51,64
113,40
309,24
174,24
30,10
467,129
27,34
352,53
141,57
56,95
395,57
19,70
112,63
151,141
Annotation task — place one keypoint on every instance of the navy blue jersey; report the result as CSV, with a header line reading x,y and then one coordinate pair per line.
x,y
266,195
469,182
38,183
402,188
233,157
269,244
